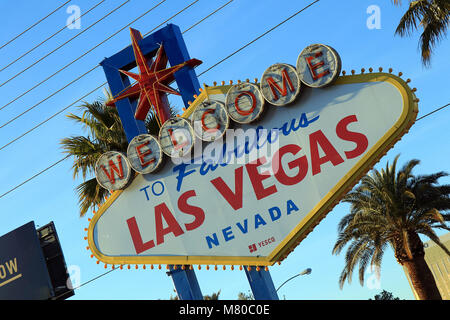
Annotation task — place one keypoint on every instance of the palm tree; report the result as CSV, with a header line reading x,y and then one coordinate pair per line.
x,y
433,16
213,296
245,296
385,295
393,208
104,133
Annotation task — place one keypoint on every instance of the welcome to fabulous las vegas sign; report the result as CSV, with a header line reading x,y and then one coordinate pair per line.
x,y
250,168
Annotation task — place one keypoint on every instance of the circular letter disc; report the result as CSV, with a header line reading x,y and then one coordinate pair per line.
x,y
280,84
318,65
113,170
144,153
176,137
210,120
244,102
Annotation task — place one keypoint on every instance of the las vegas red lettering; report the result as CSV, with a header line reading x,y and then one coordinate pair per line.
x,y
164,216
232,190
317,140
233,198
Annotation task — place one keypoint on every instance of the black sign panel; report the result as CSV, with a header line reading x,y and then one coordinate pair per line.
x,y
56,264
23,271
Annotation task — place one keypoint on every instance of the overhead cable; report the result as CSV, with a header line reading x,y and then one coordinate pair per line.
x,y
44,41
34,24
62,45
64,110
81,76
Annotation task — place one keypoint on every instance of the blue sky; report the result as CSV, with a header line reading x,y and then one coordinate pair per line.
x,y
51,196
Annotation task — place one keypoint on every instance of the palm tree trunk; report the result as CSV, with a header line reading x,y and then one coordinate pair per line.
x,y
410,253
422,279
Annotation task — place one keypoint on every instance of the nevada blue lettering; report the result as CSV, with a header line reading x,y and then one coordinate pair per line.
x,y
244,229
271,213
291,206
212,241
258,221
228,234
274,213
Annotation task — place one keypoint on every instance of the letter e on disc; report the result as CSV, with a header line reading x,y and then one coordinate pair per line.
x,y
144,153
318,65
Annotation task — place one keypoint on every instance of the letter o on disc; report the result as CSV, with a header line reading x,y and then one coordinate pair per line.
x,y
244,102
113,170
144,153
176,137
318,65
280,84
210,120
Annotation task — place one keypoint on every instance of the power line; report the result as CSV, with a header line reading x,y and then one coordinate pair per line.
x,y
109,271
87,72
54,115
59,47
35,24
73,61
259,37
435,110
420,118
73,81
51,117
104,83
89,281
44,41
209,15
34,176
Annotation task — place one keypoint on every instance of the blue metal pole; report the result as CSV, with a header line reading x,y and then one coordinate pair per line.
x,y
261,284
186,283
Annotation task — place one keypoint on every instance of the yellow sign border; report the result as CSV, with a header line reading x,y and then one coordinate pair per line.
x,y
313,218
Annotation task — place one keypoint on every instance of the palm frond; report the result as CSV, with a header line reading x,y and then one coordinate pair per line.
x,y
90,195
433,16
105,133
390,206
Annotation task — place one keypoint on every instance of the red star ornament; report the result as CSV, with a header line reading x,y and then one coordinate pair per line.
x,y
152,81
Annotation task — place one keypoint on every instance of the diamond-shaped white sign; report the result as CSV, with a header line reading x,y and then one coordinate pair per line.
x,y
262,187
